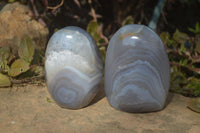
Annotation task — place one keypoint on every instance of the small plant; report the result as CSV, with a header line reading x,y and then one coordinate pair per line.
x,y
184,55
196,30
95,30
12,67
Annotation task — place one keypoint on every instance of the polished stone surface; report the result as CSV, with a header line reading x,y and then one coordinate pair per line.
x,y
73,67
137,71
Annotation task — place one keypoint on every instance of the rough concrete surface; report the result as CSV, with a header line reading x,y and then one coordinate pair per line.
x,y
25,109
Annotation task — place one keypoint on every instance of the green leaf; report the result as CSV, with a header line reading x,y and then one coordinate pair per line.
x,y
1,66
93,30
166,38
11,1
128,20
49,100
196,30
180,37
38,57
194,85
18,66
4,80
26,49
194,105
183,62
177,80
103,52
182,49
197,26
192,30
4,66
38,70
4,53
197,48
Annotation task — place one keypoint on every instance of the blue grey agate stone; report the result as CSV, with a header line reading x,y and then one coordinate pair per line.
x,y
73,67
137,71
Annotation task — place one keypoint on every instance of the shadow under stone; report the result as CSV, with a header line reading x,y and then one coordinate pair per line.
x,y
100,95
169,99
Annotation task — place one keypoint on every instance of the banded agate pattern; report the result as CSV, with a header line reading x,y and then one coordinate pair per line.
x,y
73,67
137,71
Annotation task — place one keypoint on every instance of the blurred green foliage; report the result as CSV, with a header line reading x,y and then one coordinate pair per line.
x,y
11,1
95,30
18,66
183,49
26,63
128,20
183,52
26,49
196,30
184,56
4,80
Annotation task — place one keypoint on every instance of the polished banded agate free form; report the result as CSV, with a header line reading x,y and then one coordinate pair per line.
x,y
73,67
137,71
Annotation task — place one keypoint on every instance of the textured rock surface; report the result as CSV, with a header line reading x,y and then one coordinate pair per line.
x,y
15,21
136,70
26,110
73,67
